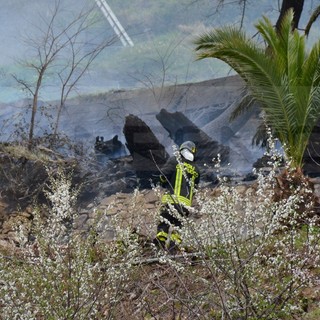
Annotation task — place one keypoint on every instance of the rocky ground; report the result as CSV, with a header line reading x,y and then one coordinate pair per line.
x,y
138,209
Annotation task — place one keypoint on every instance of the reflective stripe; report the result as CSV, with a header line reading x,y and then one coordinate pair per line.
x,y
178,182
162,236
191,169
169,198
176,238
173,199
176,198
192,186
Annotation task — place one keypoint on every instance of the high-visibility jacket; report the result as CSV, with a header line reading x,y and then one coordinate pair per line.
x,y
180,179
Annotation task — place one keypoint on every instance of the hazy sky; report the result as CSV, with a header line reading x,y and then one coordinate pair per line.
x,y
19,18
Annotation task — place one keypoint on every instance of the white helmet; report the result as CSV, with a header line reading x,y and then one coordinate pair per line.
x,y
188,150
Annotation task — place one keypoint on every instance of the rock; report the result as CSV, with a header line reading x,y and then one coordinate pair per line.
x,y
249,192
26,214
108,201
90,205
111,211
13,222
241,189
80,221
150,206
151,197
6,246
112,148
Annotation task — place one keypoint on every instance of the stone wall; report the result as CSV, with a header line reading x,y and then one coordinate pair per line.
x,y
139,210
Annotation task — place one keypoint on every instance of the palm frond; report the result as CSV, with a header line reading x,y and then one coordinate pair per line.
x,y
284,79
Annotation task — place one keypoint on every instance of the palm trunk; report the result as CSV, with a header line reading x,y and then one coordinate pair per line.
x,y
297,6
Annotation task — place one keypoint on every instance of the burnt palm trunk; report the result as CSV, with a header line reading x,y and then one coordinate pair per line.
x,y
297,6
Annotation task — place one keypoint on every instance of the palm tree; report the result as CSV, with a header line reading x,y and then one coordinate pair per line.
x,y
281,76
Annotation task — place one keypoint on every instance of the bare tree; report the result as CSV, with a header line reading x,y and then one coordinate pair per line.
x,y
157,81
314,16
218,5
284,6
62,50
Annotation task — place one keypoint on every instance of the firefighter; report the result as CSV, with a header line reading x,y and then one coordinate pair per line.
x,y
179,176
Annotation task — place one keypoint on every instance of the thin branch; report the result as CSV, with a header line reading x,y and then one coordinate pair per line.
x,y
314,16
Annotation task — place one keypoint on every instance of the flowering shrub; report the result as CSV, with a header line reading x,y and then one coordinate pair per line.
x,y
257,264
256,254
247,255
63,274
